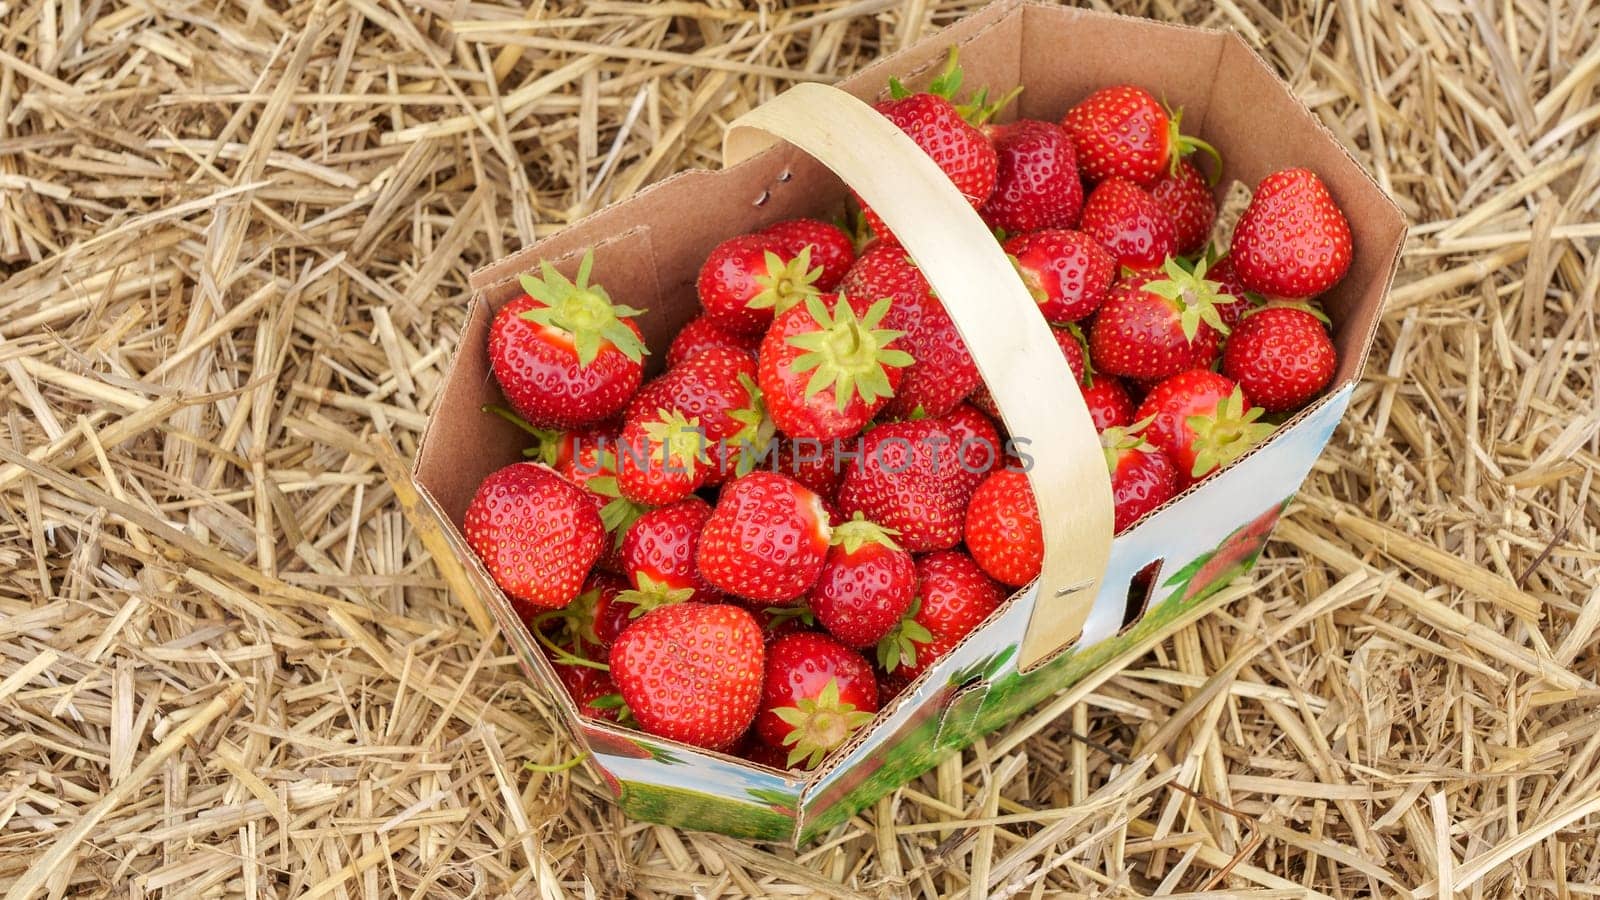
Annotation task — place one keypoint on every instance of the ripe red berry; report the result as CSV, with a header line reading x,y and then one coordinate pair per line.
x,y
1202,421
1281,356
1002,529
1108,402
1128,222
1142,476
766,540
703,334
658,556
1036,184
1292,241
536,533
830,248
564,355
746,280
1067,272
866,585
907,476
1156,324
953,597
692,672
1186,197
1121,131
827,367
816,694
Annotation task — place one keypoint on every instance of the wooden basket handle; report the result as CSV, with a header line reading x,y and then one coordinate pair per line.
x,y
996,316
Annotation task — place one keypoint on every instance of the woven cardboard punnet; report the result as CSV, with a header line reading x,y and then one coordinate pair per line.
x,y
1072,626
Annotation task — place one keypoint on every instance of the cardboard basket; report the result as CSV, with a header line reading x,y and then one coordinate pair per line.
x,y
1073,626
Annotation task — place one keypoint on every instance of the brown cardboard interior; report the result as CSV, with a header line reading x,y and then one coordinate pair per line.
x,y
650,247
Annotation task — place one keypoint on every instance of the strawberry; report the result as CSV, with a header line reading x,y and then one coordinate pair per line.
x,y
1067,272
564,355
1108,402
1157,324
907,476
1142,476
1185,195
1130,224
1036,182
816,694
662,458
813,463
609,615
942,371
653,396
1122,131
658,556
866,585
692,672
831,249
1281,356
536,533
977,442
593,467
766,540
953,597
1233,301
937,126
746,280
1002,530
702,334
1203,421
1292,240
826,367
715,388
586,685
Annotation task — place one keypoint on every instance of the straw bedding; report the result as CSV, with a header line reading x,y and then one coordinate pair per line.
x,y
234,242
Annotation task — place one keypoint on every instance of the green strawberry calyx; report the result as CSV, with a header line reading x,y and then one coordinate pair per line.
x,y
1185,144
619,513
899,647
846,354
615,701
947,84
1119,440
652,594
582,310
676,441
546,446
1227,433
859,532
785,283
819,725
557,653
1194,295
756,429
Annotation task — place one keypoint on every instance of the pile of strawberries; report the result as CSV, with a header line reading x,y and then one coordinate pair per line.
x,y
815,501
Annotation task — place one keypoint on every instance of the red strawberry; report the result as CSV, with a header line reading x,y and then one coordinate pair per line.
x,y
1292,240
1130,224
702,334
866,585
977,443
662,458
1234,302
1157,324
712,388
610,615
942,371
831,249
536,533
692,672
658,556
1142,477
1108,402
816,694
746,280
565,356
1281,356
652,398
953,597
1123,132
907,476
1067,272
1002,531
811,462
1203,421
827,367
1186,196
1036,184
766,540
593,467
959,149
585,685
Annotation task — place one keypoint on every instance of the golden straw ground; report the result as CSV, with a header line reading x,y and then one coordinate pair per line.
x,y
234,241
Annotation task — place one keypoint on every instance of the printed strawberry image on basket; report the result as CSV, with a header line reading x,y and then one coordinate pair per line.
x,y
791,512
